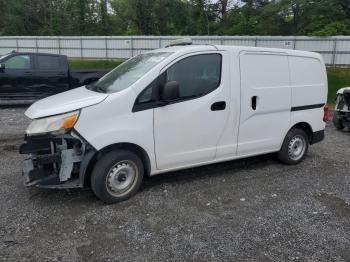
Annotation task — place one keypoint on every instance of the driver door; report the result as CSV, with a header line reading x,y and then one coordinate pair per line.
x,y
186,131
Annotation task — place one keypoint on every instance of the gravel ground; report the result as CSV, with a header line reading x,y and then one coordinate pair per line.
x,y
255,209
13,123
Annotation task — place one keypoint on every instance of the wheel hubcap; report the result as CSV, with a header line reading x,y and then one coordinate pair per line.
x,y
121,177
296,147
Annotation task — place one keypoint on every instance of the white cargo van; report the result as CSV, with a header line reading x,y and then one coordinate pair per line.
x,y
175,108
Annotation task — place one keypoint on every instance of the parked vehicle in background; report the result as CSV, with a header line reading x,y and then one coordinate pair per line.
x,y
26,77
341,116
175,108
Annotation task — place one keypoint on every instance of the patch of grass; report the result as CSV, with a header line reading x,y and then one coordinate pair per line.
x,y
94,64
337,78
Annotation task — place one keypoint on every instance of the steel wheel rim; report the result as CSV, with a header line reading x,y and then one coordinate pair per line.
x,y
296,147
121,177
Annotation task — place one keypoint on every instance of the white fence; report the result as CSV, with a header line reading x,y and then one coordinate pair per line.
x,y
335,50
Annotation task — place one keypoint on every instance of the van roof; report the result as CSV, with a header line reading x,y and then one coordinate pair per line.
x,y
236,49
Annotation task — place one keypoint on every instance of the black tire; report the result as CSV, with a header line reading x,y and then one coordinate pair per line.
x,y
286,154
338,123
105,175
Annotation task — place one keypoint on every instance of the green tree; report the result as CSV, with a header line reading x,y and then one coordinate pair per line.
x,y
175,17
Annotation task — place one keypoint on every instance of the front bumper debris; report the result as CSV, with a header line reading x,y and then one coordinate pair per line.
x,y
55,160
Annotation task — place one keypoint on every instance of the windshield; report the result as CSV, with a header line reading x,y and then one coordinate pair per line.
x,y
128,73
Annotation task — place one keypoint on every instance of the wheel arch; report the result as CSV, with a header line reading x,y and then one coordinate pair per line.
x,y
136,149
305,127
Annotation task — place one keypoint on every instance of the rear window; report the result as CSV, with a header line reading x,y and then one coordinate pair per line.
x,y
46,62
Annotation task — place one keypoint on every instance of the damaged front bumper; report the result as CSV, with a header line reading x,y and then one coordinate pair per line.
x,y
344,117
56,161
342,108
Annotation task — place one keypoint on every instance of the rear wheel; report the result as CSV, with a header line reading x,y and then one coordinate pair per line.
x,y
294,147
117,176
338,123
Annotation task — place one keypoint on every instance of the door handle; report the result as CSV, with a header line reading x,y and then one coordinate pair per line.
x,y
254,102
217,106
28,73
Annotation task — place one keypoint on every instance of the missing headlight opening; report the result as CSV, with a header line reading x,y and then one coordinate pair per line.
x,y
55,161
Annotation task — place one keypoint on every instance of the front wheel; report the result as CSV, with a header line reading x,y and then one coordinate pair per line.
x,y
294,147
117,176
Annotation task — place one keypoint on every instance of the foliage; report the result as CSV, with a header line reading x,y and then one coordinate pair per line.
x,y
175,17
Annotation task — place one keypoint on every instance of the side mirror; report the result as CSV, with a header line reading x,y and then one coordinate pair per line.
x,y
171,91
2,66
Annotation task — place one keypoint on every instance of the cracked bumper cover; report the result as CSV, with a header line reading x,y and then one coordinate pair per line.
x,y
56,161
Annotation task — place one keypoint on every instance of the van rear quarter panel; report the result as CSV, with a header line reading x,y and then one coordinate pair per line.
x,y
309,87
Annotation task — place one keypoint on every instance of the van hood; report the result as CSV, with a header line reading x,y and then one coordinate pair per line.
x,y
64,102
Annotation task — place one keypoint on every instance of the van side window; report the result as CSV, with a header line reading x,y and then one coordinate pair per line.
x,y
46,62
18,62
145,99
197,75
146,95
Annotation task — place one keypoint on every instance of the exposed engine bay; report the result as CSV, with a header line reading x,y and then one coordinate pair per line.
x,y
55,161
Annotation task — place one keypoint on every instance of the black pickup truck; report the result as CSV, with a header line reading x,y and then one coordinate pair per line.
x,y
26,77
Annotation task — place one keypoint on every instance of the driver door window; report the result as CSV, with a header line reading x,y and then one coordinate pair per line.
x,y
197,75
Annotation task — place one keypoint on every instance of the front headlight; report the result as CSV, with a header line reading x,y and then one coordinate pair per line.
x,y
53,123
